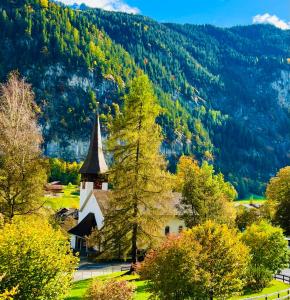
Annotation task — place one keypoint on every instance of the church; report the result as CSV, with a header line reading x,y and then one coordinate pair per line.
x,y
94,195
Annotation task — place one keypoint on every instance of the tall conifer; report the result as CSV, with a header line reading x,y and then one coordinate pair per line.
x,y
140,181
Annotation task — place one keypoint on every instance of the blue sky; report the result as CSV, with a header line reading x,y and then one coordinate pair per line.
x,y
217,12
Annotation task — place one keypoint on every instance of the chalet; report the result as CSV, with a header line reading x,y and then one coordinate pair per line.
x,y
54,187
94,195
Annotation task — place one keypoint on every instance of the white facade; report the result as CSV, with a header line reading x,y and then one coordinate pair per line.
x,y
89,203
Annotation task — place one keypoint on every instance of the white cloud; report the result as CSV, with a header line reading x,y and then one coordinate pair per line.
x,y
271,19
112,5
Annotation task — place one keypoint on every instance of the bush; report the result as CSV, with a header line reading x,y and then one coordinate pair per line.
x,y
258,278
208,258
110,290
36,259
269,252
172,268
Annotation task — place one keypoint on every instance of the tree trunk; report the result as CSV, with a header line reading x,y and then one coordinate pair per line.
x,y
134,244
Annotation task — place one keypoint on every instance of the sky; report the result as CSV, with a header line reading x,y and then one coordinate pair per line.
x,y
223,13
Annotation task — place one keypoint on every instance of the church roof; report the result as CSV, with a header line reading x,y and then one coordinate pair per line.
x,y
102,198
95,163
85,227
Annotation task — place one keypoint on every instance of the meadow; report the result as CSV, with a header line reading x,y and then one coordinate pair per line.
x,y
79,288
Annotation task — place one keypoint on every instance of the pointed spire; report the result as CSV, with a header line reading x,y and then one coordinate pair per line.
x,y
95,163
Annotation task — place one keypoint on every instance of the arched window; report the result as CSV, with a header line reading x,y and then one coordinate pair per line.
x,y
167,230
180,228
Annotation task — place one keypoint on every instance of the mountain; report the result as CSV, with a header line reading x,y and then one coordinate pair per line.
x,y
225,91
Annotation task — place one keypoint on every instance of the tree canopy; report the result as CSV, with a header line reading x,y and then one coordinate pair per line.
x,y
22,168
141,185
278,191
35,258
205,195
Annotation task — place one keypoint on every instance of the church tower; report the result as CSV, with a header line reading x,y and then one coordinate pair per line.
x,y
94,169
93,191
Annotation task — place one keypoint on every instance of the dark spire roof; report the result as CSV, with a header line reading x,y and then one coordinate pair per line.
x,y
95,163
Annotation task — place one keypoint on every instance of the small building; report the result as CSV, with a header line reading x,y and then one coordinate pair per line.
x,y
54,187
94,196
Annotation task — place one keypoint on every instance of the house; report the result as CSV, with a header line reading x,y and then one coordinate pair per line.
x,y
94,195
54,187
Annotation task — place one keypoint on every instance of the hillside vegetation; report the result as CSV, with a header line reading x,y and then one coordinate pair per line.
x,y
224,91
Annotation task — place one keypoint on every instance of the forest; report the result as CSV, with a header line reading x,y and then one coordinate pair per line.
x,y
219,88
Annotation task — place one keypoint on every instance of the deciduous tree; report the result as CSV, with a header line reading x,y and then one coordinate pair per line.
x,y
278,191
268,249
36,259
209,259
22,170
205,195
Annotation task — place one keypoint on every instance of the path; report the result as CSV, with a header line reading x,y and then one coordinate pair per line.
x,y
88,269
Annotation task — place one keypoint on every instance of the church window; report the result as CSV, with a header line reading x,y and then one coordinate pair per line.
x,y
167,230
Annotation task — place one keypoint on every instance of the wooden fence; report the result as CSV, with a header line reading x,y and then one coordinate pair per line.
x,y
284,278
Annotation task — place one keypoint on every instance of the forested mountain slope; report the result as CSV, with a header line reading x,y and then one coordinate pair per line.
x,y
241,72
225,92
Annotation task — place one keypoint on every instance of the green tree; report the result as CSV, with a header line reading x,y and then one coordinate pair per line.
x,y
210,258
44,3
248,216
63,171
268,249
205,195
22,169
36,259
141,184
278,191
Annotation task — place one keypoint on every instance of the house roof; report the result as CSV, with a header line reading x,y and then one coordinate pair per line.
x,y
95,163
102,198
85,227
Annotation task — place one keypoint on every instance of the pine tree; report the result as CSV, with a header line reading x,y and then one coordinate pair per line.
x,y
141,184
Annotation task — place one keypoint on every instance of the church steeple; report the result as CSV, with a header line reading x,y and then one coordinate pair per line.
x,y
94,168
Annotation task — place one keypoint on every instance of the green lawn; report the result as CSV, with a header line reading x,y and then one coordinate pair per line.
x,y
252,199
79,288
69,198
275,286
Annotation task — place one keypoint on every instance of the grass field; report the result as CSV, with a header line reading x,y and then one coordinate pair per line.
x,y
274,286
69,198
252,199
79,288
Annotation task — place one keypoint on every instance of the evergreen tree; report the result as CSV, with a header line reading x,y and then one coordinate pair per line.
x,y
141,184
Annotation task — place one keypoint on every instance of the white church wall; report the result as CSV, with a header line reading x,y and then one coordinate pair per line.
x,y
174,224
105,186
73,241
85,189
92,206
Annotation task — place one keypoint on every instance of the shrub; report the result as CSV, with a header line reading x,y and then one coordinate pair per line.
x,y
269,252
110,290
208,258
258,278
172,268
36,259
